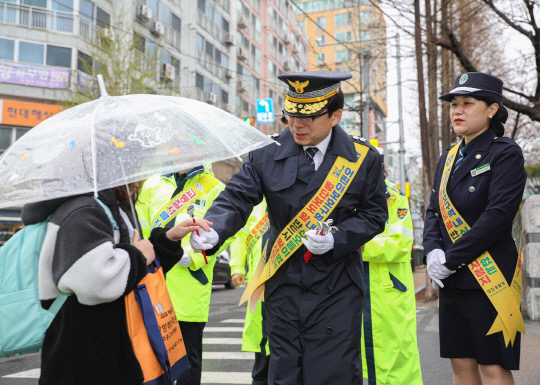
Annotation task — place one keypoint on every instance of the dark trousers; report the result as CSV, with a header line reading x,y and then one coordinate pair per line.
x,y
192,332
260,369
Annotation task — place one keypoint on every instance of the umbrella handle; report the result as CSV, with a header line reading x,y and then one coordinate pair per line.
x,y
203,252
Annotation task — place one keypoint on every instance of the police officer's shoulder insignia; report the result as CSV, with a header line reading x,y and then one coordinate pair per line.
x,y
402,213
274,136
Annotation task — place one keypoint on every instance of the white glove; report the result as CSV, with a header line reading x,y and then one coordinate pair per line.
x,y
204,241
318,244
185,261
436,270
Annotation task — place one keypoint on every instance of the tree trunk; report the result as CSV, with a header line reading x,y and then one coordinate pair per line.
x,y
447,77
433,125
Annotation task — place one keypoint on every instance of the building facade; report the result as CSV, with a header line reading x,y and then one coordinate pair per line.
x,y
223,52
350,36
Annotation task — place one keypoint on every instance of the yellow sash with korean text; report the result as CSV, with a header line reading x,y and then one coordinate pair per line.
x,y
506,299
180,202
256,232
317,209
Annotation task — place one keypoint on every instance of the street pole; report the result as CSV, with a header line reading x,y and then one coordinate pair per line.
x,y
401,129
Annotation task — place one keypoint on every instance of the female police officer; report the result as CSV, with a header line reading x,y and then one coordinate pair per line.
x,y
468,236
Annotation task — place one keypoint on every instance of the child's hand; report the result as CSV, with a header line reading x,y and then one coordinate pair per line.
x,y
187,226
145,246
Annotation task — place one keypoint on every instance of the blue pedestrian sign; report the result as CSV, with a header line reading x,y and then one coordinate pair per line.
x,y
265,110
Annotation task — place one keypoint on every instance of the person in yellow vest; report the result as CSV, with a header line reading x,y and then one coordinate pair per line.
x,y
246,251
190,281
390,351
468,236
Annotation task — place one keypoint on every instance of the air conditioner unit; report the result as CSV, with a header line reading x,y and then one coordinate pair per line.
x,y
228,74
241,54
242,23
106,33
338,60
286,66
294,48
286,40
229,39
240,87
158,28
168,72
144,12
321,62
211,98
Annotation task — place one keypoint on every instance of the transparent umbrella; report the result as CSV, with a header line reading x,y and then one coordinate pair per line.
x,y
117,140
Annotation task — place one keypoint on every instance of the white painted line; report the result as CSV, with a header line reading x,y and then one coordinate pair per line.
x,y
222,341
228,356
226,378
223,329
234,321
32,373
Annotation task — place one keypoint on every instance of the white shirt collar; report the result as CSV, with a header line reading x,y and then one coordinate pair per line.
x,y
323,146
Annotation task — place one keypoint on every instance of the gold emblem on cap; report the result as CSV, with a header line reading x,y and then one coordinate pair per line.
x,y
299,87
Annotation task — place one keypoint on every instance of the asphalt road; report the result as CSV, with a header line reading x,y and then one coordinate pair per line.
x,y
224,363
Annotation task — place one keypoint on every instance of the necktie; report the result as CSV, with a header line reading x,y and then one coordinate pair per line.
x,y
461,156
310,153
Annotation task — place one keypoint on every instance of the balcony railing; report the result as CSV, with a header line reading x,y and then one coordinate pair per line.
x,y
36,17
207,62
209,25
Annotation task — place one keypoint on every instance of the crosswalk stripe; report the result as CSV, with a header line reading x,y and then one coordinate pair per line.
x,y
32,373
223,329
228,356
234,321
226,378
222,341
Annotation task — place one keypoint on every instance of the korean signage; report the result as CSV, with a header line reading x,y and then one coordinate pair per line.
x,y
265,110
25,114
28,75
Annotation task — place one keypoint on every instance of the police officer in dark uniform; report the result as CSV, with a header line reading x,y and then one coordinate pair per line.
x,y
485,186
314,309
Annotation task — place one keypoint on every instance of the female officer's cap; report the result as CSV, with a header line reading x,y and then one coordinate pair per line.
x,y
479,84
310,92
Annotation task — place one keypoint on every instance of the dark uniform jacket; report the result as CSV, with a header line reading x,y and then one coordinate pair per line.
x,y
314,310
488,202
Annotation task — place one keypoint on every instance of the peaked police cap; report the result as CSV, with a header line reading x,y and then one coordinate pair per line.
x,y
476,84
310,92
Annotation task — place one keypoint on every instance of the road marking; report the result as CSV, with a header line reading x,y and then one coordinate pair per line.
x,y
234,321
228,356
226,378
222,341
32,373
223,329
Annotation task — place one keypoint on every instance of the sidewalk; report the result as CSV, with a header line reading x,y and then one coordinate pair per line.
x,y
529,373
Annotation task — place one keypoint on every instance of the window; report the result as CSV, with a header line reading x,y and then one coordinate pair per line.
x,y
7,49
5,138
362,16
31,52
209,49
343,19
343,36
199,81
343,55
321,58
321,39
84,62
201,5
321,23
58,56
103,19
363,34
139,42
86,9
225,97
175,23
63,5
199,40
36,3
302,24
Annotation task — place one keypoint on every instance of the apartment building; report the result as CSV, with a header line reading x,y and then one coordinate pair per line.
x,y
269,43
224,52
350,36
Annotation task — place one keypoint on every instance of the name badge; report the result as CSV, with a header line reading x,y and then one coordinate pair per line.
x,y
480,170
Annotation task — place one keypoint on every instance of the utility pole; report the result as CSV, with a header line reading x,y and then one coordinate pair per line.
x,y
401,150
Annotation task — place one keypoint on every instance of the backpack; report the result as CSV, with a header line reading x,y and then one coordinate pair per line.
x,y
23,321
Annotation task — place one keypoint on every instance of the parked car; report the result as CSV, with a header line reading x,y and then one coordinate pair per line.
x,y
222,270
